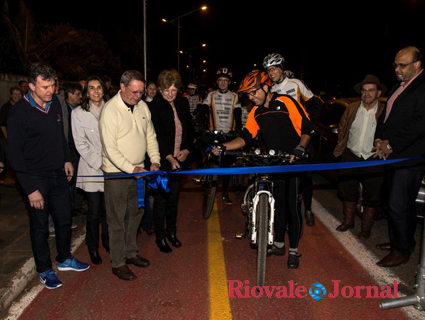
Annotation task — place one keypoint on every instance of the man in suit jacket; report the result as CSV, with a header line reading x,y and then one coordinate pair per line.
x,y
401,134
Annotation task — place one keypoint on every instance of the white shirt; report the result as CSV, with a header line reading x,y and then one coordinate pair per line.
x,y
221,110
193,102
295,88
362,132
245,114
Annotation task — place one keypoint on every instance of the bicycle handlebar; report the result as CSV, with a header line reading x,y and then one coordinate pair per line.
x,y
244,154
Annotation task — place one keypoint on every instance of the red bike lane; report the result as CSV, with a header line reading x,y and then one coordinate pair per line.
x,y
191,282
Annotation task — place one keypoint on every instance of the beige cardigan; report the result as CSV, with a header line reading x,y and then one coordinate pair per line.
x,y
126,136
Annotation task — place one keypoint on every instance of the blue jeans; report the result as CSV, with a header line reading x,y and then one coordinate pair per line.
x,y
54,188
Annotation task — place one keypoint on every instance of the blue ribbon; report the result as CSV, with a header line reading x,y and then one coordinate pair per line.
x,y
159,179
140,193
289,168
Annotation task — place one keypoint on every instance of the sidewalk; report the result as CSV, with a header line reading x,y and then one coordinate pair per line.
x,y
17,267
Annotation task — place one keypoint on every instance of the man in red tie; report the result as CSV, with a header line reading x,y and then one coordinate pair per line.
x,y
400,133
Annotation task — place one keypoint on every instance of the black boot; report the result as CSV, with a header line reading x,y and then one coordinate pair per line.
x,y
171,236
95,257
163,245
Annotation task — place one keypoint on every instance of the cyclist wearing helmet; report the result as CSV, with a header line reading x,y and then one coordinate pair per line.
x,y
284,126
224,113
285,83
224,106
194,99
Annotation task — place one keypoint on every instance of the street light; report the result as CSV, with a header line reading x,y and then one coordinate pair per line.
x,y
190,56
172,21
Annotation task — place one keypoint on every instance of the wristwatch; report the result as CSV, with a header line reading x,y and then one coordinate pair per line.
x,y
389,147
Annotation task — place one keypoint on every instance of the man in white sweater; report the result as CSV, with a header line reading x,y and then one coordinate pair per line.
x,y
127,133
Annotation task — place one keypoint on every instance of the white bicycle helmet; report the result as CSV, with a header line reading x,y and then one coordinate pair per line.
x,y
274,59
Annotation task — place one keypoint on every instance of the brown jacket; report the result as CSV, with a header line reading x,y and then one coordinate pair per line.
x,y
346,122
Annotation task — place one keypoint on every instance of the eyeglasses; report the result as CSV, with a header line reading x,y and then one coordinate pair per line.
x,y
402,65
172,91
368,90
252,93
135,92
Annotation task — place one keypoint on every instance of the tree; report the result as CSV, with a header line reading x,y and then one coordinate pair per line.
x,y
73,54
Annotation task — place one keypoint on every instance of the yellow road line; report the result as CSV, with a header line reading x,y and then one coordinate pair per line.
x,y
219,300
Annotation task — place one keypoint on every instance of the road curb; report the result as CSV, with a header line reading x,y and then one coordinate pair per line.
x,y
26,274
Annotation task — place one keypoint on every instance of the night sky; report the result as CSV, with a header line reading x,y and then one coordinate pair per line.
x,y
330,45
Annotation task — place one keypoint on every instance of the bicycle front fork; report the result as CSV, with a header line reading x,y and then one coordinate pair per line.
x,y
271,217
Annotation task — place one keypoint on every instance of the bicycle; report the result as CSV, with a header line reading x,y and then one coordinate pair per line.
x,y
209,182
258,204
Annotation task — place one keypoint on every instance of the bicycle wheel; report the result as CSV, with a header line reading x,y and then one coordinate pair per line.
x,y
262,233
209,187
247,209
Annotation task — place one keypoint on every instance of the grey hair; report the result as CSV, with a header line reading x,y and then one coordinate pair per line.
x,y
130,75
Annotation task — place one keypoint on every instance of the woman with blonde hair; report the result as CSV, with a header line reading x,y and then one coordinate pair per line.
x,y
173,126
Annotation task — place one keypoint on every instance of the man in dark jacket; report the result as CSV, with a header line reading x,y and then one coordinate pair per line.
x,y
39,154
401,134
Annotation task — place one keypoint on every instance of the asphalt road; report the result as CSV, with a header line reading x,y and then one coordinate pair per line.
x,y
193,282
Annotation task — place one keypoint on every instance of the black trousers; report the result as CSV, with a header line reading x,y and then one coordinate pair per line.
x,y
403,187
96,215
165,208
287,195
54,188
77,194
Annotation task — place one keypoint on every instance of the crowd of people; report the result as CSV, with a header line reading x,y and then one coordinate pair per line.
x,y
73,142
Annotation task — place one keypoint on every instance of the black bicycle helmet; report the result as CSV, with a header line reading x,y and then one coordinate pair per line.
x,y
224,72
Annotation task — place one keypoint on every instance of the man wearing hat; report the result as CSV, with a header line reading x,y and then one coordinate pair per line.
x,y
355,142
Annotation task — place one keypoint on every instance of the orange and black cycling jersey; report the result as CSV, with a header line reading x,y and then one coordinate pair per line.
x,y
281,124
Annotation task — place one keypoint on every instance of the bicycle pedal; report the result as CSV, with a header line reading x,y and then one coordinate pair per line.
x,y
244,208
240,235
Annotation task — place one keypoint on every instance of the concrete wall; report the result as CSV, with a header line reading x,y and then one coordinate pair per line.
x,y
7,81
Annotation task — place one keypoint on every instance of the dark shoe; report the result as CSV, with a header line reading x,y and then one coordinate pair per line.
x,y
293,260
384,246
149,230
95,257
276,251
309,218
163,245
138,261
226,199
349,211
392,260
124,273
173,239
368,217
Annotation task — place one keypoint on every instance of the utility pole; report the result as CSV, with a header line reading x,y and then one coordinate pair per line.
x,y
144,41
